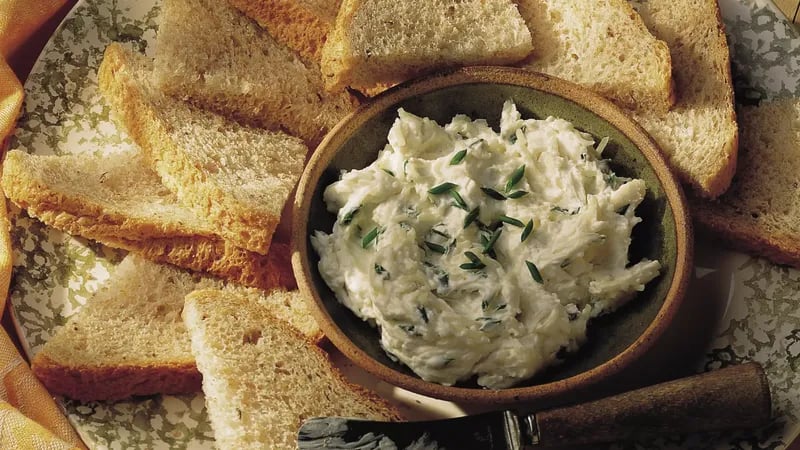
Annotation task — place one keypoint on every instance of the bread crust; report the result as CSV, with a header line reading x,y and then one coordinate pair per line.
x,y
117,382
246,227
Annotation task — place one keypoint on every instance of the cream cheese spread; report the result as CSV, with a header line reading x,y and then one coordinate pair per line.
x,y
479,253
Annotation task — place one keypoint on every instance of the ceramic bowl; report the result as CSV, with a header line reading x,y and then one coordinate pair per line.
x,y
614,340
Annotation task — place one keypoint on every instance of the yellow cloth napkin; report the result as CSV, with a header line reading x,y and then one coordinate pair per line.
x,y
29,417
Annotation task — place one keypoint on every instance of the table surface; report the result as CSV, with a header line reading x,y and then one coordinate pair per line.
x,y
22,62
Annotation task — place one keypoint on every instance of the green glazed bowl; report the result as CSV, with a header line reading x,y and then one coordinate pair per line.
x,y
615,340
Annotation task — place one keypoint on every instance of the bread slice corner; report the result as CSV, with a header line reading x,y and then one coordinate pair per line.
x,y
760,212
262,379
383,42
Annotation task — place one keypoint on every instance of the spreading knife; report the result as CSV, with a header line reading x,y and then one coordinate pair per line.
x,y
735,397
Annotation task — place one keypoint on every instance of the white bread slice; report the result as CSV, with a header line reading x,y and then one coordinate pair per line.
x,y
211,54
301,25
236,177
760,212
699,136
119,201
603,45
129,339
375,42
261,378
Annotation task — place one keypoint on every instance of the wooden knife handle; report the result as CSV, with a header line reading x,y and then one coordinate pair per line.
x,y
734,397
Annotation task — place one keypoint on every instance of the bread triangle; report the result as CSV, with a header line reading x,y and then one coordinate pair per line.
x,y
699,135
129,339
382,42
117,200
211,54
236,177
261,378
761,210
603,45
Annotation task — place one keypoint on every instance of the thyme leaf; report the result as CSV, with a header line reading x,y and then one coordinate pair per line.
x,y
458,157
347,218
459,201
436,247
537,277
515,177
369,237
511,221
471,216
526,231
517,194
489,246
442,188
492,193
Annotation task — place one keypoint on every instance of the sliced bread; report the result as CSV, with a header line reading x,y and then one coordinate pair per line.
x,y
236,177
129,339
760,212
603,45
301,25
375,42
261,378
119,201
213,55
699,136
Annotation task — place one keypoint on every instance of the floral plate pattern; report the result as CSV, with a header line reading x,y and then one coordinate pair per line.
x,y
54,273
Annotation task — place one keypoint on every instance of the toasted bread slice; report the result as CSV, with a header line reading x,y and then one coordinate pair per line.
x,y
214,56
603,45
382,42
261,378
699,135
761,210
236,177
129,339
119,201
301,25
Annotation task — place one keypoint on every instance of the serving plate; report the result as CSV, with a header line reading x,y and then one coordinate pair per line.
x,y
740,308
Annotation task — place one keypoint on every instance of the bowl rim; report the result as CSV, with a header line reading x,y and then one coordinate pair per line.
x,y
584,98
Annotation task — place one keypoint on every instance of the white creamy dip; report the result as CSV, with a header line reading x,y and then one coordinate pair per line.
x,y
482,253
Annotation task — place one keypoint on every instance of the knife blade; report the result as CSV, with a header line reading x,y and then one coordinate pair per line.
x,y
730,398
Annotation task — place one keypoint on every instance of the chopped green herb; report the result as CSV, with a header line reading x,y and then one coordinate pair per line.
x,y
472,257
559,209
472,266
458,157
487,322
511,221
492,193
484,304
526,231
405,166
471,216
489,246
513,138
369,237
423,313
379,269
440,233
388,171
501,307
459,201
537,277
442,188
347,218
515,177
479,141
517,194
564,263
436,247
